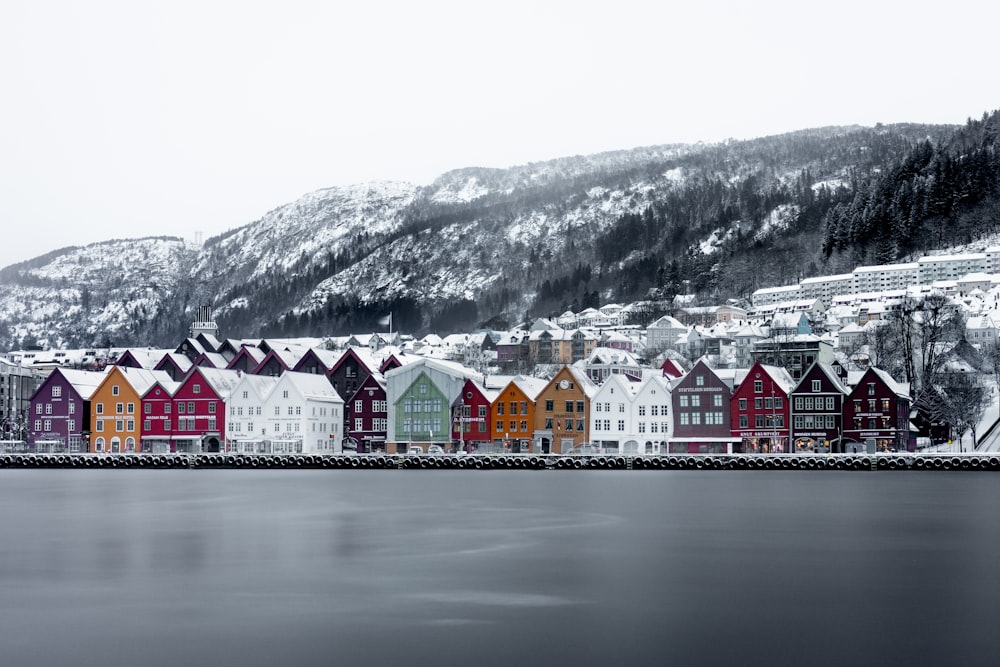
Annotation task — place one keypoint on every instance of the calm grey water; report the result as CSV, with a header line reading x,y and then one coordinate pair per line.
x,y
320,567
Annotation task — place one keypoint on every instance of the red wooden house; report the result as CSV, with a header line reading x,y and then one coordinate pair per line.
x,y
759,410
200,409
877,414
369,416
471,417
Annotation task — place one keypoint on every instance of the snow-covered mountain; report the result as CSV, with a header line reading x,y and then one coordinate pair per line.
x,y
474,245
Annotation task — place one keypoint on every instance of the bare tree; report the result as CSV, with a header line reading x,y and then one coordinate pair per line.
x,y
940,326
883,348
959,398
991,359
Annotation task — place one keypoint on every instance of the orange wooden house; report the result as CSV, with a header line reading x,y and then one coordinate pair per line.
x,y
562,411
116,410
513,412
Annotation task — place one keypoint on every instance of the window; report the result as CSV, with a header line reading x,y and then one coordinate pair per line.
x,y
695,419
816,386
211,408
642,410
758,403
190,407
743,404
512,425
482,411
100,425
779,403
523,407
130,408
758,386
196,389
499,426
100,408
166,425
114,390
130,425
758,421
500,408
56,391
744,421
621,425
580,407
119,408
48,408
147,425
684,402
180,407
524,425
359,424
166,408
829,403
685,418
798,402
38,425
871,388
569,406
147,408
809,402
716,402
699,380
119,424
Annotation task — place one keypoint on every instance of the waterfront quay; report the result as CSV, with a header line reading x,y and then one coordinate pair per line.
x,y
696,462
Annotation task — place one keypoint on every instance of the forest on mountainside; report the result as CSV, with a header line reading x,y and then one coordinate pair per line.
x,y
715,221
936,195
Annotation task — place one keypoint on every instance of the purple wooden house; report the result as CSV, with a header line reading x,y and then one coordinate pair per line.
x,y
60,410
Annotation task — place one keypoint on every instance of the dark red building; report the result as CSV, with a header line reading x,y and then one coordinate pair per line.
x,y
877,414
368,420
817,410
471,418
760,410
701,407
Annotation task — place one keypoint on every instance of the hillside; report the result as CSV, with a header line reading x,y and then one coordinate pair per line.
x,y
720,220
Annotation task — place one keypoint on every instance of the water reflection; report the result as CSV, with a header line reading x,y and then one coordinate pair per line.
x,y
471,567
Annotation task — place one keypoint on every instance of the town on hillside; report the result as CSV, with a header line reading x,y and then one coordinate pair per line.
x,y
886,358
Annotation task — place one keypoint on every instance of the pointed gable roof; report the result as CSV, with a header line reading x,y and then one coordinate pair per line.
x,y
221,380
323,357
829,372
250,355
140,379
309,385
141,357
670,368
84,383
174,360
531,386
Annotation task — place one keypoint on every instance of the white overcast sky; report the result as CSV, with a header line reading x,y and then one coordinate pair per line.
x,y
135,118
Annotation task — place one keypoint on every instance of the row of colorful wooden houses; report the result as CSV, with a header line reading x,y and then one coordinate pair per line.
x,y
320,401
